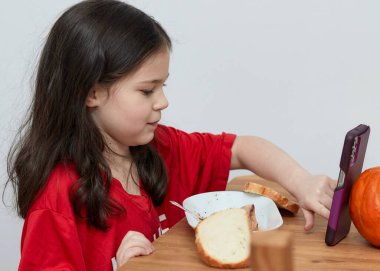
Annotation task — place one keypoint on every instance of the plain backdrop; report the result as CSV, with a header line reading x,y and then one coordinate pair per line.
x,y
298,73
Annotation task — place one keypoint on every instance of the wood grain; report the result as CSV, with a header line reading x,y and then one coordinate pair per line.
x,y
175,250
272,251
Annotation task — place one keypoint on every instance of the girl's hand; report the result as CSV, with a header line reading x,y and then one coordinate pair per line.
x,y
314,193
133,244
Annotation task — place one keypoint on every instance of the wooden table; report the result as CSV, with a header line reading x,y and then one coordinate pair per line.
x,y
175,250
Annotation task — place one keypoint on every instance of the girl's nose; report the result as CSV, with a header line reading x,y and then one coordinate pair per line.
x,y
161,102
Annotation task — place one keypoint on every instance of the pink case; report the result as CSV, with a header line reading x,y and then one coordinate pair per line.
x,y
351,164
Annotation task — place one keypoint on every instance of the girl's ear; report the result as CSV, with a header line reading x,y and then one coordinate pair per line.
x,y
94,96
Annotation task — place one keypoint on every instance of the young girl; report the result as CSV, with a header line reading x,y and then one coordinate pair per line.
x,y
94,171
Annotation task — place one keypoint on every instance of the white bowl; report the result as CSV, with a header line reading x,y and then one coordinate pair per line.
x,y
267,214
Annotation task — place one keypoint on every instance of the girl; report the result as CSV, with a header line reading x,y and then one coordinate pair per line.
x,y
93,170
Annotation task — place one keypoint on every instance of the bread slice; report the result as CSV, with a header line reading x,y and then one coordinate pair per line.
x,y
250,209
223,238
280,200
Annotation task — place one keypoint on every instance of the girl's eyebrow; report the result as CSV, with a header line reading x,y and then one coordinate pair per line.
x,y
155,81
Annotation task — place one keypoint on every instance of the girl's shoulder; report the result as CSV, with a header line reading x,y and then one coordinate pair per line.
x,y
167,140
167,136
55,196
170,137
163,138
174,144
64,171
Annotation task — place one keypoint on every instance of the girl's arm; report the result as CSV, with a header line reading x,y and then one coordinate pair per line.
x,y
50,242
314,193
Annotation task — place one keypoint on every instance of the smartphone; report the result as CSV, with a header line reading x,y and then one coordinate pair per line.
x,y
351,164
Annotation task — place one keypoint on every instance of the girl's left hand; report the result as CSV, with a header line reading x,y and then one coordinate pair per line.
x,y
314,194
133,244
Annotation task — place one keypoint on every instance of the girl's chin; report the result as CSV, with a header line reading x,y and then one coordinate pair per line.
x,y
146,139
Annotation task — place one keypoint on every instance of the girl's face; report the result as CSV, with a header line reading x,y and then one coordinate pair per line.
x,y
128,112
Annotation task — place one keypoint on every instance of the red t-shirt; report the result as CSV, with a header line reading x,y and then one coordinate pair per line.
x,y
53,238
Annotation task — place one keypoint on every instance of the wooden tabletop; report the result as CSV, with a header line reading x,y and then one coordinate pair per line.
x,y
175,250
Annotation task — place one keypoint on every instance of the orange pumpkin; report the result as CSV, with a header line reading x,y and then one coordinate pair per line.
x,y
365,205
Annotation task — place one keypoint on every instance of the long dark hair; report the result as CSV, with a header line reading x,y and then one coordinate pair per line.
x,y
96,41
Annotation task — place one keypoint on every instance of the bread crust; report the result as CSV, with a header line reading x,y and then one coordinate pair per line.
x,y
213,262
280,200
253,225
252,222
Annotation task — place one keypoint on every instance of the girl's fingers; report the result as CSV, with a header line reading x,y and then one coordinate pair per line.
x,y
323,211
309,219
327,185
132,247
331,186
133,238
326,201
133,244
320,209
130,253
316,198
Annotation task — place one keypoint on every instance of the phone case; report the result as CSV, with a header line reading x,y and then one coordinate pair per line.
x,y
351,164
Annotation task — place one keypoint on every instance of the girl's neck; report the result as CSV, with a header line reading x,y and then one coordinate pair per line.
x,y
124,170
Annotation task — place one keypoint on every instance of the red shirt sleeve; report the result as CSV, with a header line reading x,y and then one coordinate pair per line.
x,y
196,163
50,242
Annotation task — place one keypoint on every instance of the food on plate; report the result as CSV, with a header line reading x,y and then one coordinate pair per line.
x,y
280,200
223,238
250,209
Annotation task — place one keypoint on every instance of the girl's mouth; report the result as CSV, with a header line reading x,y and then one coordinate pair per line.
x,y
153,123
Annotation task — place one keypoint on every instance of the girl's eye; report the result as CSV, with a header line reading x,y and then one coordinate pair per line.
x,y
147,92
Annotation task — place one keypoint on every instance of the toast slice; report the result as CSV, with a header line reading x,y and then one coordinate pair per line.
x,y
223,238
280,200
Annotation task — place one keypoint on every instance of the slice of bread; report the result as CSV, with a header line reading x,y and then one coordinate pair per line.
x,y
280,200
223,238
250,209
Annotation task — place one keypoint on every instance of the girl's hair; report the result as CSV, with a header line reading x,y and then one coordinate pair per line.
x,y
96,41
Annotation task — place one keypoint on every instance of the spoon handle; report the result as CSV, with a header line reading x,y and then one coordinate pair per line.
x,y
196,215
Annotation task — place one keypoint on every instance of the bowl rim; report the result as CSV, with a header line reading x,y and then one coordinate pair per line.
x,y
277,214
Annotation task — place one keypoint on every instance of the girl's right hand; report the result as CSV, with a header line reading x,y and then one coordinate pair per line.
x,y
133,244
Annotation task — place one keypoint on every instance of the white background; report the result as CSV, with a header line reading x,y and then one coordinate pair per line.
x,y
299,73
